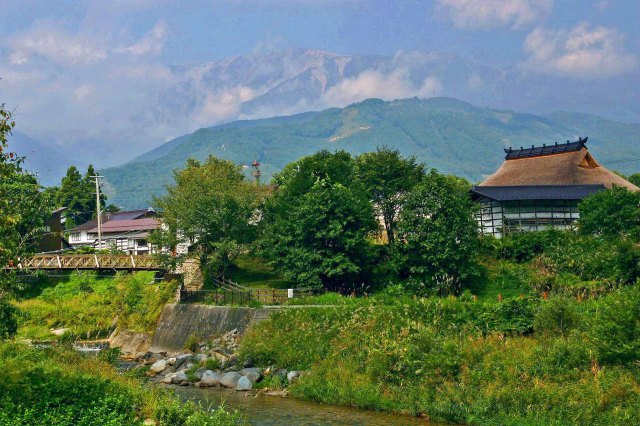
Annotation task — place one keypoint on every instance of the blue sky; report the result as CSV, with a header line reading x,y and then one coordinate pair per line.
x,y
99,63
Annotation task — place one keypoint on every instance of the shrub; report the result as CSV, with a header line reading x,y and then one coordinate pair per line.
x,y
556,316
616,328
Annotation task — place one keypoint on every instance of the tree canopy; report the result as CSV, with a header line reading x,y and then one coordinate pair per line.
x,y
24,208
437,234
614,212
211,207
387,177
78,194
316,224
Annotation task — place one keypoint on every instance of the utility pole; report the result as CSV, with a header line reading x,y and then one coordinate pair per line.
x,y
99,213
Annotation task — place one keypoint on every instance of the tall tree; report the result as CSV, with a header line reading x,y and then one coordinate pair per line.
x,y
210,207
611,213
387,177
24,209
316,225
437,235
78,194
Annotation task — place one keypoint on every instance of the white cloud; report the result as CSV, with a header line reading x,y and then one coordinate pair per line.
x,y
82,91
223,105
376,84
486,14
152,42
582,52
51,43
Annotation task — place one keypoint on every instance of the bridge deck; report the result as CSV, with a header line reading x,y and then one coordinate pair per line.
x,y
91,261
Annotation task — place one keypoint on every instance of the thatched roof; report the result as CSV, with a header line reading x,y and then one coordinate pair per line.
x,y
576,167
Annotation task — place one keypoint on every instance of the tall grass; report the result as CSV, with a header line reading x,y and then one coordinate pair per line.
x,y
60,387
521,361
90,306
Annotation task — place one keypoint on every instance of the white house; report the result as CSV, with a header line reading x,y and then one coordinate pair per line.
x,y
127,231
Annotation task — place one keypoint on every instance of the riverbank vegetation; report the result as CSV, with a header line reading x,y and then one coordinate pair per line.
x,y
86,306
58,386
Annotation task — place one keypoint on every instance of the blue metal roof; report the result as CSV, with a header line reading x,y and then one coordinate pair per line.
x,y
536,192
537,151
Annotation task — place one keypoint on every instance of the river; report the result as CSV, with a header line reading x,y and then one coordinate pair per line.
x,y
263,410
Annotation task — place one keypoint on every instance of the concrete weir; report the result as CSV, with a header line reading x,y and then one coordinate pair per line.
x,y
179,321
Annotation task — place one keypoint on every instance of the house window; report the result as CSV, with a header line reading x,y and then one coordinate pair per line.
x,y
75,237
142,243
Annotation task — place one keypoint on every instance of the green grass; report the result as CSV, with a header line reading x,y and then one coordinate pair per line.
x,y
90,306
252,271
524,361
59,387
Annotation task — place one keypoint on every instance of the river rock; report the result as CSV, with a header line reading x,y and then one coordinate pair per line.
x,y
210,378
60,331
281,373
181,359
199,358
230,380
244,384
253,377
171,361
179,378
199,373
185,366
292,376
245,371
222,358
158,366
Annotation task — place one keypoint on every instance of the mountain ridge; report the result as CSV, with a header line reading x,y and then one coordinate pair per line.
x,y
451,135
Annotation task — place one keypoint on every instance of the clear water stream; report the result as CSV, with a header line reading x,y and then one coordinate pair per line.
x,y
264,410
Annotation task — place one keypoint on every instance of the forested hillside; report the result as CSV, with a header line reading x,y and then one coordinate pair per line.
x,y
453,136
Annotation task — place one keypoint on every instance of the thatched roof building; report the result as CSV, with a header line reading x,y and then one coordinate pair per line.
x,y
540,187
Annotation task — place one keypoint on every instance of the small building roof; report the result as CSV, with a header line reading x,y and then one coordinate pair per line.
x,y
116,216
146,224
536,192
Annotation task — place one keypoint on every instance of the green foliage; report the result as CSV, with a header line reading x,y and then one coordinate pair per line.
x,y
316,226
617,327
524,246
439,235
210,208
556,316
464,361
611,213
634,179
134,300
387,177
192,343
24,208
8,320
64,388
78,194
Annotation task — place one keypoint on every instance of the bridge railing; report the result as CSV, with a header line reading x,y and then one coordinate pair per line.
x,y
91,261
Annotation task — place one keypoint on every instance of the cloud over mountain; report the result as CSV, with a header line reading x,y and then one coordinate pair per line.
x,y
583,51
486,14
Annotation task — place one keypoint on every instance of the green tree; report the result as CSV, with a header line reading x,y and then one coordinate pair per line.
x,y
78,194
610,213
316,224
321,240
634,179
211,207
438,238
24,208
387,177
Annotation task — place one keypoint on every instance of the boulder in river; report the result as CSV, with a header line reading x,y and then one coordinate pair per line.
x,y
179,378
292,376
158,366
244,384
253,377
210,378
230,380
199,373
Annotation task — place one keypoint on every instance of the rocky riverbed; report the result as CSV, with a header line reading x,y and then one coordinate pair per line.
x,y
213,364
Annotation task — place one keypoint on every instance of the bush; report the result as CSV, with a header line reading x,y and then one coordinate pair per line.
x,y
556,316
524,246
616,329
